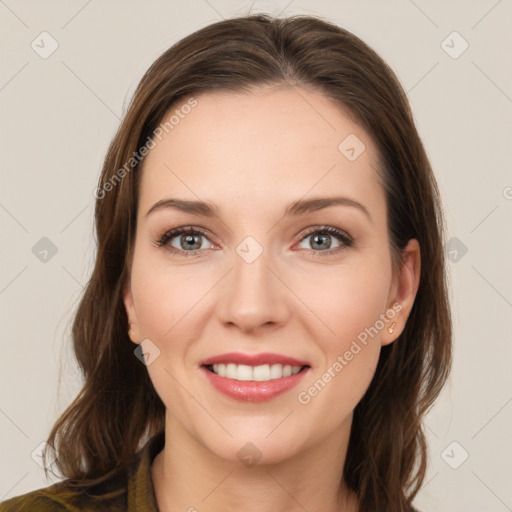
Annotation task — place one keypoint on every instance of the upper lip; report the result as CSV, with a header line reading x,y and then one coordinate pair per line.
x,y
254,359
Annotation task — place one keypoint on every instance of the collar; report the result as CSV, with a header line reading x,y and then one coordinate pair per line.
x,y
141,493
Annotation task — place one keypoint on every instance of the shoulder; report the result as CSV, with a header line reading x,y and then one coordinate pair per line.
x,y
61,497
51,499
127,488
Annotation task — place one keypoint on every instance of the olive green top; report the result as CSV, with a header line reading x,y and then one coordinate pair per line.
x,y
128,490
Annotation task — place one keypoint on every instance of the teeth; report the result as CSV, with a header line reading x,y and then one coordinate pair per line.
x,y
260,373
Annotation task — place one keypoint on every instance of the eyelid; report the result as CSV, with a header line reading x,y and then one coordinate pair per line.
x,y
331,230
345,238
169,234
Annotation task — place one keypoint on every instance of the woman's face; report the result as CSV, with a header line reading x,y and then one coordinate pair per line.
x,y
263,277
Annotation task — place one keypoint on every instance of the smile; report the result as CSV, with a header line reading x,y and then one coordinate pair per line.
x,y
261,373
253,377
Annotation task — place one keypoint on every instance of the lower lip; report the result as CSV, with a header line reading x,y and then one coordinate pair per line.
x,y
253,391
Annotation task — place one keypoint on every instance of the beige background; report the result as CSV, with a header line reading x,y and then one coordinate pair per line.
x,y
60,112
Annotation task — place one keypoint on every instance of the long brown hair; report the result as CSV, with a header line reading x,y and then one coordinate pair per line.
x,y
118,408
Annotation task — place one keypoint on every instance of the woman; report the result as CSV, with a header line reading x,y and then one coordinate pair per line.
x,y
270,243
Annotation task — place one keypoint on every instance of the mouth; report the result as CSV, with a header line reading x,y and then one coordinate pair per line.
x,y
253,378
260,373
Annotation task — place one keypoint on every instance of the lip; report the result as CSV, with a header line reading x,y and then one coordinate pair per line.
x,y
254,360
251,390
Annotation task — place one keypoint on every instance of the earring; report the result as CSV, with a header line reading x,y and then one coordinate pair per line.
x,y
390,330
130,332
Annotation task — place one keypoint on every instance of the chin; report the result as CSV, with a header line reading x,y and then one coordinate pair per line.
x,y
252,446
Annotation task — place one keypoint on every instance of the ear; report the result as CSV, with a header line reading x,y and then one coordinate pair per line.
x,y
403,291
132,328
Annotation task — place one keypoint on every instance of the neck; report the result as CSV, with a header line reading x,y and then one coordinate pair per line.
x,y
187,476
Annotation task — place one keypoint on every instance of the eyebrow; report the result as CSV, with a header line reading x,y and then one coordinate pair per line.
x,y
295,208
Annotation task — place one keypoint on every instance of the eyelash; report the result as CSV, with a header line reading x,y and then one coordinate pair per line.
x,y
342,236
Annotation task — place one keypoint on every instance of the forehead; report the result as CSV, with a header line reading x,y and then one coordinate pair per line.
x,y
269,146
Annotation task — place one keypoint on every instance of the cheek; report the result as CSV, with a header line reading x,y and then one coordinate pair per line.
x,y
348,300
167,302
351,308
166,296
351,358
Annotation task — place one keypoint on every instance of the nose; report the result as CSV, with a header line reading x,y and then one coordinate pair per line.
x,y
254,294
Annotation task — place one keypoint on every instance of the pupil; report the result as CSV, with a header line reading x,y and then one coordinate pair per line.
x,y
320,237
190,239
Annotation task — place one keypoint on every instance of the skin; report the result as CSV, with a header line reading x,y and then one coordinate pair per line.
x,y
252,154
